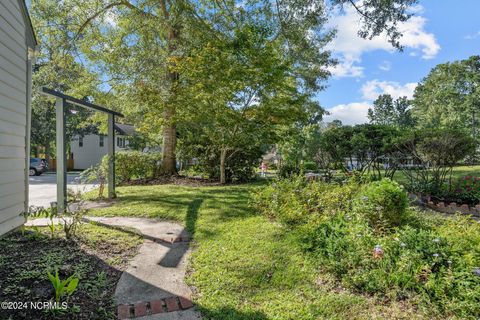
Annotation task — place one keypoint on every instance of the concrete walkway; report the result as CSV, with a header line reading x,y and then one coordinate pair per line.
x,y
153,286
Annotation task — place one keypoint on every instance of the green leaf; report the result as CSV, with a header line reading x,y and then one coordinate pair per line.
x,y
72,286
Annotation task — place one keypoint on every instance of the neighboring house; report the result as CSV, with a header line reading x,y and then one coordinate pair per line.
x,y
89,150
17,47
404,163
272,157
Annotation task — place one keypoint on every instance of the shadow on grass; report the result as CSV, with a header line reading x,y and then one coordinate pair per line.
x,y
192,215
228,313
177,250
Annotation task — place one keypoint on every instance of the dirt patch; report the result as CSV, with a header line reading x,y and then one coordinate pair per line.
x,y
25,259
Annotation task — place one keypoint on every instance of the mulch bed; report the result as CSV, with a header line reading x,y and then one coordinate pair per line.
x,y
26,258
177,180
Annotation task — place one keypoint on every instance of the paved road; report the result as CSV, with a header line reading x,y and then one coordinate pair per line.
x,y
43,189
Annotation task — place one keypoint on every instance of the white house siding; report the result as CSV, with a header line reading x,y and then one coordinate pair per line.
x,y
91,153
14,115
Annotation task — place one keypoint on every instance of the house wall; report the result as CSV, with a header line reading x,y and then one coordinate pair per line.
x,y
91,153
14,112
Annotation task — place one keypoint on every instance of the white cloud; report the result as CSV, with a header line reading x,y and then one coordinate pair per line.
x,y
349,114
472,36
415,37
372,89
347,67
416,9
349,47
385,66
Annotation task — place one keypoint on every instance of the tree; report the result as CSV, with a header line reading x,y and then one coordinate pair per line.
x,y
139,45
449,97
363,149
387,111
239,91
378,17
436,151
57,68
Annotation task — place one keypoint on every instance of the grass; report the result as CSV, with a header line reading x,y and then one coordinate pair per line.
x,y
457,172
98,256
244,266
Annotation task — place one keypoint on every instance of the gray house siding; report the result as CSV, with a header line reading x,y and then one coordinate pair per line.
x,y
16,42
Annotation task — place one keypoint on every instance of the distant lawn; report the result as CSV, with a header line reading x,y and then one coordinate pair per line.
x,y
457,172
245,266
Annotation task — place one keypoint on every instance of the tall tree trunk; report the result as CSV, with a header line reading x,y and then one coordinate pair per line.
x,y
169,167
223,156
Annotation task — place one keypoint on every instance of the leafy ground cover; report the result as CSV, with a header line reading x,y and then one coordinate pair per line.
x,y
371,243
247,266
97,257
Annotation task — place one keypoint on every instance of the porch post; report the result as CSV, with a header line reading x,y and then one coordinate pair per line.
x,y
61,155
111,156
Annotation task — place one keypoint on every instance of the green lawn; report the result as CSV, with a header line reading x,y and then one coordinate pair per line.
x,y
457,172
244,266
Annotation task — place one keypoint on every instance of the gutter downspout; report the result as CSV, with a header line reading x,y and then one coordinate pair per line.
x,y
30,63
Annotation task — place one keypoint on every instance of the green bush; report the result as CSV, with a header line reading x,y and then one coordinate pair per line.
x,y
432,265
272,166
295,201
132,165
427,259
239,167
383,204
309,166
288,170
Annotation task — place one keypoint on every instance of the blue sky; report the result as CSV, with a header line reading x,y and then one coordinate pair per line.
x,y
440,31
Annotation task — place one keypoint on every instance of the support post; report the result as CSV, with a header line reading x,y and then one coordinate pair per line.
x,y
61,156
111,156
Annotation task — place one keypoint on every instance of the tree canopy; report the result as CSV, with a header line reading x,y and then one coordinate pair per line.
x,y
449,97
241,69
387,111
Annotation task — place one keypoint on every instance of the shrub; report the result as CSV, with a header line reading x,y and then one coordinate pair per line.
x,y
280,200
288,170
430,265
465,190
130,165
272,166
427,259
239,167
383,204
295,201
309,166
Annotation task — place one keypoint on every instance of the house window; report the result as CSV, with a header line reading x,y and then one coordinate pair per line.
x,y
120,142
102,141
80,142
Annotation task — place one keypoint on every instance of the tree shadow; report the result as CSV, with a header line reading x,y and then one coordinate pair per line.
x,y
177,250
229,313
192,215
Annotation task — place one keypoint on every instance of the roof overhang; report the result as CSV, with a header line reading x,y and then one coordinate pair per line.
x,y
30,37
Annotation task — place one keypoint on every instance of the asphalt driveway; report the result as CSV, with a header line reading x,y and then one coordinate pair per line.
x,y
43,189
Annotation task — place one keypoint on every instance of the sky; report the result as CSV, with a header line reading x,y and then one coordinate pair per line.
x,y
440,31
